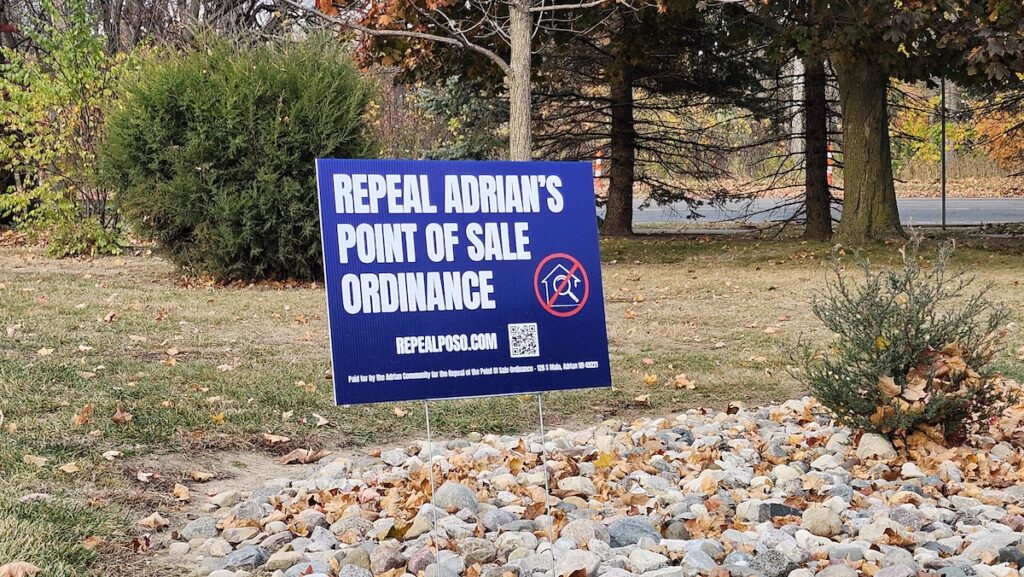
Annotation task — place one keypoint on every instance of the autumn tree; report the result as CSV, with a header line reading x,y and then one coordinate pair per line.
x,y
870,43
500,32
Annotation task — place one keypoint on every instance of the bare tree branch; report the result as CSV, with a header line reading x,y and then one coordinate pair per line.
x,y
461,41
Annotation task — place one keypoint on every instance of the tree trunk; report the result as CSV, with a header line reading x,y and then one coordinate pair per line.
x,y
869,200
818,197
520,142
618,220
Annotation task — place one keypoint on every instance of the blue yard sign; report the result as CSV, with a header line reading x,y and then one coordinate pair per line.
x,y
461,279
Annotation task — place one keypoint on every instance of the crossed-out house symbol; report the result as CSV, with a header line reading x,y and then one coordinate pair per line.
x,y
561,282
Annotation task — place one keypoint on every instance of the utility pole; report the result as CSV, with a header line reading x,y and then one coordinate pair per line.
x,y
942,118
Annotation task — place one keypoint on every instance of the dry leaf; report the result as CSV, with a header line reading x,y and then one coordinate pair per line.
x,y
218,419
304,456
122,417
200,476
650,379
111,455
888,386
145,477
321,420
645,398
44,352
19,569
154,521
274,439
682,382
399,411
181,492
225,368
70,468
34,460
604,460
91,542
83,416
881,343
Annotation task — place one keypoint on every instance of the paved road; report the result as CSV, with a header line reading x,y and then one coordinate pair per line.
x,y
920,211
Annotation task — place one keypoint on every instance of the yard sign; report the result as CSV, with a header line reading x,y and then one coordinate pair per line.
x,y
461,279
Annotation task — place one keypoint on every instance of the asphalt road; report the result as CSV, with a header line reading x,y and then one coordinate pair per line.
x,y
919,211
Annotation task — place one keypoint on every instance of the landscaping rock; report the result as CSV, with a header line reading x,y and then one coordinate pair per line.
x,y
454,497
629,531
874,446
248,557
821,521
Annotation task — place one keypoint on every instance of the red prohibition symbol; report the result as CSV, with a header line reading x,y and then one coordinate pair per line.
x,y
561,284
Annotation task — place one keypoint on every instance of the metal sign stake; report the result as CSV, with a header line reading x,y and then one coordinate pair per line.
x,y
547,483
430,465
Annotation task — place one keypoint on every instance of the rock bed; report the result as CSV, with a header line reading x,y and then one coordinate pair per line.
x,y
774,491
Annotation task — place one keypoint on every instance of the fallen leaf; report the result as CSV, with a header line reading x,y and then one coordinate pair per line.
x,y
881,343
399,411
154,521
84,348
888,386
122,417
172,352
274,439
91,542
19,569
34,460
321,420
648,361
200,476
70,468
683,382
605,460
86,375
304,456
44,352
650,379
225,368
645,398
181,492
218,419
145,477
111,455
83,415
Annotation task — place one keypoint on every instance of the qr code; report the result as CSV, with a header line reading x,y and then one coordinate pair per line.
x,y
522,340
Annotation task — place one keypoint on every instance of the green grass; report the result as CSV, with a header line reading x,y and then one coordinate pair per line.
x,y
727,312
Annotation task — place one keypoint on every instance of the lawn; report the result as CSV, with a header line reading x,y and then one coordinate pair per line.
x,y
196,371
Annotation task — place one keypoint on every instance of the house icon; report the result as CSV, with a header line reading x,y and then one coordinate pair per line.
x,y
560,286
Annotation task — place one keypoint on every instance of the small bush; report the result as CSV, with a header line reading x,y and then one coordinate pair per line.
x,y
54,100
212,153
912,350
